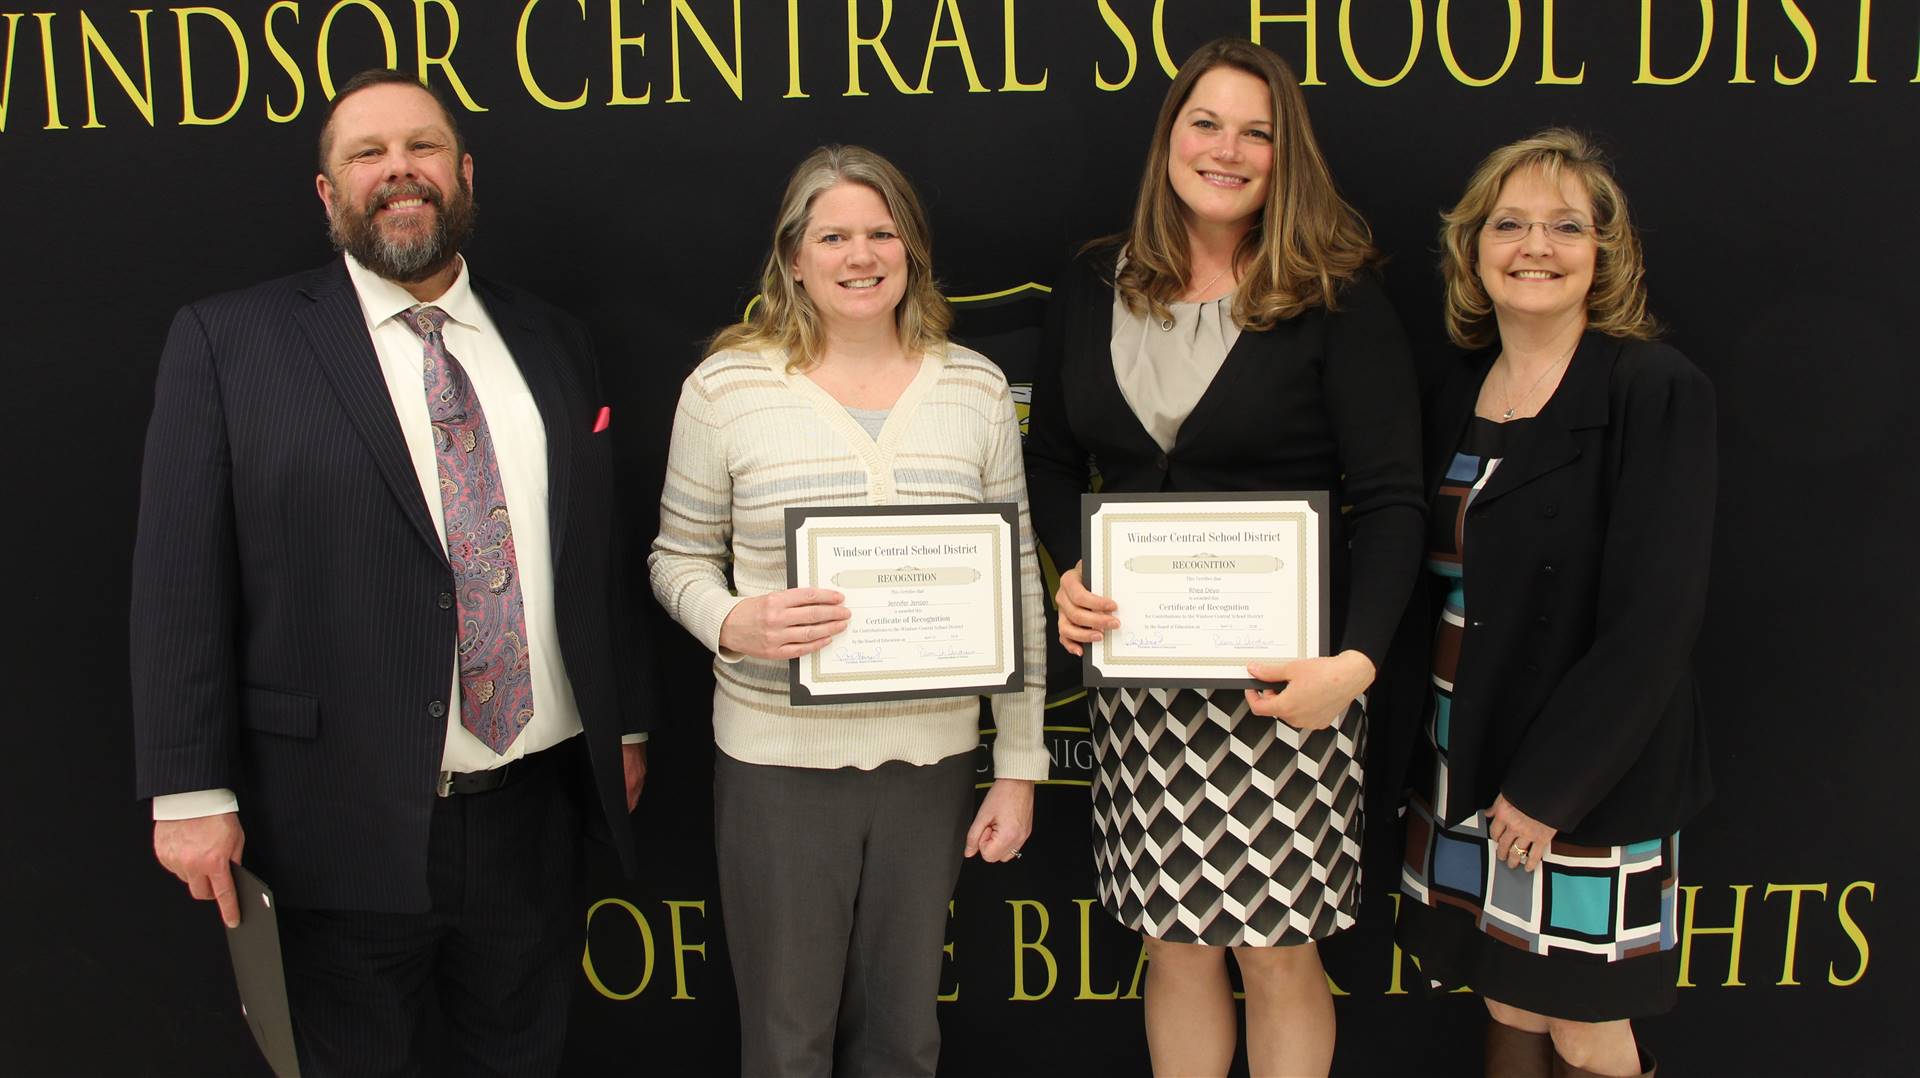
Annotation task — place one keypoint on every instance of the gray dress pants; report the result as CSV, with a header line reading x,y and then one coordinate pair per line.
x,y
834,886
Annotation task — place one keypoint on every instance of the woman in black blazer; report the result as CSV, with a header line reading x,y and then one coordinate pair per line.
x,y
1232,340
1571,478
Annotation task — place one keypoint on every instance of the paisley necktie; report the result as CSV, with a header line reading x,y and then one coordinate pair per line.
x,y
496,689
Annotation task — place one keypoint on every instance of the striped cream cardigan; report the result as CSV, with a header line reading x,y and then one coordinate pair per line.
x,y
749,440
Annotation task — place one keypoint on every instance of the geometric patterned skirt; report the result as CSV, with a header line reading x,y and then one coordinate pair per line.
x,y
1218,826
1588,935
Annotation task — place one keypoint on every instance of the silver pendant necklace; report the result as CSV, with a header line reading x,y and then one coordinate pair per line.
x,y
1507,384
1167,323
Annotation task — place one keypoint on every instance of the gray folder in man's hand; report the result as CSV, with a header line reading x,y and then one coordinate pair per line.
x,y
255,947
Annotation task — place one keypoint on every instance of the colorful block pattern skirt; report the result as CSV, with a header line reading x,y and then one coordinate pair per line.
x,y
1589,934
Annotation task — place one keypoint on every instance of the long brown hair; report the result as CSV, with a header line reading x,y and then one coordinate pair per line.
x,y
1308,241
1617,302
785,321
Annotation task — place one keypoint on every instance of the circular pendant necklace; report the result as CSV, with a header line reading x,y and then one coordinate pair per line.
x,y
1506,381
1167,323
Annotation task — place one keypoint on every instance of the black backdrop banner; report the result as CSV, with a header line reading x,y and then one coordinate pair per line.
x,y
629,157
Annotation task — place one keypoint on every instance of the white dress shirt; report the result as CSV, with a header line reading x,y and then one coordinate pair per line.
x,y
520,447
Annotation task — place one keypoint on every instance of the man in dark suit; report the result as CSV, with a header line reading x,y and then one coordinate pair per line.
x,y
377,612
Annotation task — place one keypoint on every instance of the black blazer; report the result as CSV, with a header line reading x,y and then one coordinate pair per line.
x,y
1322,401
288,639
1586,576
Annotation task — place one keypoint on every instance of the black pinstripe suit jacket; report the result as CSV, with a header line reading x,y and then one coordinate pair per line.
x,y
288,639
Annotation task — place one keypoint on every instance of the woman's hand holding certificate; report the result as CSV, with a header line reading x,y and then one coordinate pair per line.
x,y
1317,692
784,624
1083,615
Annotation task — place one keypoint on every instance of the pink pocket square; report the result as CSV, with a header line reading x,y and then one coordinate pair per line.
x,y
603,420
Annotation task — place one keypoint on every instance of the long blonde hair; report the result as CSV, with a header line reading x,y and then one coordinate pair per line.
x,y
1617,302
785,320
1308,241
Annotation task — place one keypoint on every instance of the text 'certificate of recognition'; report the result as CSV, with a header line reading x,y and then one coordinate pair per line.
x,y
1205,584
934,592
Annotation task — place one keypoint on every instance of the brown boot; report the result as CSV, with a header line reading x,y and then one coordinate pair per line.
x,y
1649,1067
1515,1053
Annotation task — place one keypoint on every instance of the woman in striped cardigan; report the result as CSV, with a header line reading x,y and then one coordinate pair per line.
x,y
840,828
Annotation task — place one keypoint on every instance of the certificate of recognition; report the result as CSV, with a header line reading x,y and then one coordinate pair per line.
x,y
1205,584
934,592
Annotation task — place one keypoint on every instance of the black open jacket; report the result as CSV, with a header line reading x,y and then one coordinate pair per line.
x,y
1325,400
1585,569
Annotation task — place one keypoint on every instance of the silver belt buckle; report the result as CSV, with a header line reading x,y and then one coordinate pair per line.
x,y
444,786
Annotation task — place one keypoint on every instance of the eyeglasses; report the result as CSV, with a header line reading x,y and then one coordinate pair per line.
x,y
1564,231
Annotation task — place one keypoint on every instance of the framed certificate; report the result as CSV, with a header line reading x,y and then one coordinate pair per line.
x,y
1205,584
934,592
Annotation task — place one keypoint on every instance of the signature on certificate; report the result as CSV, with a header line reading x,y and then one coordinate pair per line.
x,y
948,654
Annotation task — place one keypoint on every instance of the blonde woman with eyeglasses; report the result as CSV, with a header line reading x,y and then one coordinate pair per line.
x,y
1571,483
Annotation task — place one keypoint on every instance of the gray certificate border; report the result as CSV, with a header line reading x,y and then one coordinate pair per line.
x,y
1008,587
1320,501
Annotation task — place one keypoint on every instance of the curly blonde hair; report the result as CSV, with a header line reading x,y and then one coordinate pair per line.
x,y
785,320
1308,241
1617,302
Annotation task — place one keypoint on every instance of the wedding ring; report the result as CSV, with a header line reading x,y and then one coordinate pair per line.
x,y
1016,855
1518,849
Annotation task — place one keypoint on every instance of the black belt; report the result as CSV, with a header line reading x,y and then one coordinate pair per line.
x,y
493,778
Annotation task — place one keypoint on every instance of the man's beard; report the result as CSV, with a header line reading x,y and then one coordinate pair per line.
x,y
406,255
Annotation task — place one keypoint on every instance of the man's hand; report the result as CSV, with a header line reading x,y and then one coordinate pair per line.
x,y
200,850
633,759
